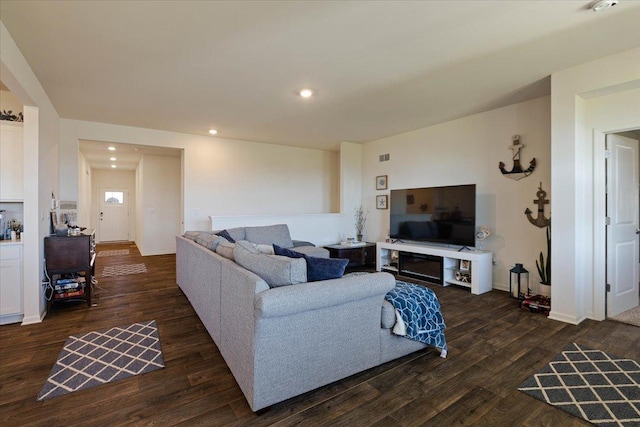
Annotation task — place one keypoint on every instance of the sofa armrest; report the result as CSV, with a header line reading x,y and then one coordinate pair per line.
x,y
297,243
289,300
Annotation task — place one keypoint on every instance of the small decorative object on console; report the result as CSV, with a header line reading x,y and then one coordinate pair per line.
x,y
361,219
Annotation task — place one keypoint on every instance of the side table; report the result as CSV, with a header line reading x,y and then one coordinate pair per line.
x,y
358,254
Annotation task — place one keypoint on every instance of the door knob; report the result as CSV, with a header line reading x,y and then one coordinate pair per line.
x,y
637,230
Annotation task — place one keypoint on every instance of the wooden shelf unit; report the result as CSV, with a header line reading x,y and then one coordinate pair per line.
x,y
71,255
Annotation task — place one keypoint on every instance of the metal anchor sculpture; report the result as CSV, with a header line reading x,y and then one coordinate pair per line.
x,y
517,172
540,221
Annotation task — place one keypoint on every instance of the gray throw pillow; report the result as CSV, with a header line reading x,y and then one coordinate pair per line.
x,y
209,241
225,249
273,269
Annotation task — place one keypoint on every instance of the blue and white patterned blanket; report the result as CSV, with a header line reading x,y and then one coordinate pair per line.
x,y
419,309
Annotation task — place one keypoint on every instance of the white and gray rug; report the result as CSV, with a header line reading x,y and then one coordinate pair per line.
x,y
103,356
113,252
631,317
590,384
123,270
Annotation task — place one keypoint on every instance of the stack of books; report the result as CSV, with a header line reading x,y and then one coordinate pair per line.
x,y
67,288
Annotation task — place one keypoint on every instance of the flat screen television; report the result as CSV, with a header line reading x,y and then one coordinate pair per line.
x,y
434,214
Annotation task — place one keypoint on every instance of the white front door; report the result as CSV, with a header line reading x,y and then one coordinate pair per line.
x,y
114,214
622,237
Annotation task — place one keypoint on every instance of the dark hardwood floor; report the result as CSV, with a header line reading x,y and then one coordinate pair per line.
x,y
493,347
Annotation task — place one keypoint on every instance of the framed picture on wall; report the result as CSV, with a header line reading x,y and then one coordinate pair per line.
x,y
381,201
381,182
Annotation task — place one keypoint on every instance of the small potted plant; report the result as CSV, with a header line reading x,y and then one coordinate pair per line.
x,y
544,267
361,219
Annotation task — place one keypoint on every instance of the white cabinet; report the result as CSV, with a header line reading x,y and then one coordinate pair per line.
x,y
11,162
10,283
478,274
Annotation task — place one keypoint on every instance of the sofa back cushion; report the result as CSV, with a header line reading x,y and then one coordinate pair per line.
x,y
270,234
317,268
273,269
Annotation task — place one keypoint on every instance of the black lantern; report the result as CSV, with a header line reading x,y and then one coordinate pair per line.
x,y
519,276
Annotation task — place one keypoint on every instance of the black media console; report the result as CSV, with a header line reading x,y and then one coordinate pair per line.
x,y
420,266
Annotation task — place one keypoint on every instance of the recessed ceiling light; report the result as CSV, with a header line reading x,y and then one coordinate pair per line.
x,y
113,166
111,148
113,159
213,131
305,93
600,5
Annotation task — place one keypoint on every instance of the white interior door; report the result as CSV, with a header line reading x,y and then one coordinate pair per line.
x,y
622,236
114,214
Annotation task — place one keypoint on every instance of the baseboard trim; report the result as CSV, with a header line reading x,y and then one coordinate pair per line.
x,y
573,320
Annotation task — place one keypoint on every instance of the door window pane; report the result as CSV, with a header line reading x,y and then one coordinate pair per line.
x,y
114,197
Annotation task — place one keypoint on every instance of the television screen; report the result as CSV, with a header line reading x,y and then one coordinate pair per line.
x,y
434,214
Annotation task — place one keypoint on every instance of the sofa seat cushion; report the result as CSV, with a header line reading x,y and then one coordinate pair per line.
x,y
274,269
269,234
317,268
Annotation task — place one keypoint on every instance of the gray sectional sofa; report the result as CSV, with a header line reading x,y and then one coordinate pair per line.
x,y
282,341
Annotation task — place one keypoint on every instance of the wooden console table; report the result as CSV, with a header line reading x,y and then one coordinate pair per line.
x,y
359,254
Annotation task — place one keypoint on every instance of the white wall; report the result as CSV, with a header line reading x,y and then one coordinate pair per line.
x,y
84,193
467,151
106,178
226,177
41,136
160,204
9,102
578,120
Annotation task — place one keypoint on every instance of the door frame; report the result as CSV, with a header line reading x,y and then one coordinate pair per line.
x,y
599,214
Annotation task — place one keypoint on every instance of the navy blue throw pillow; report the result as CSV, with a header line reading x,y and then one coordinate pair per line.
x,y
226,235
317,268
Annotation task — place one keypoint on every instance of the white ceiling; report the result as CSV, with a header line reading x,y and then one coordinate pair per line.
x,y
127,156
379,67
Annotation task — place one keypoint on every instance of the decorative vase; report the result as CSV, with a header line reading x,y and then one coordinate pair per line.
x,y
545,290
359,237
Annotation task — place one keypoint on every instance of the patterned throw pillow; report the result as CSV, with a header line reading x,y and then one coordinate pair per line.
x,y
317,268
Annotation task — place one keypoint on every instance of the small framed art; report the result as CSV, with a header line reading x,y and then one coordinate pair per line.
x,y
465,265
381,182
382,201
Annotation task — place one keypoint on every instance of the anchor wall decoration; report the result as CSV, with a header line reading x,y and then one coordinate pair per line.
x,y
540,221
517,172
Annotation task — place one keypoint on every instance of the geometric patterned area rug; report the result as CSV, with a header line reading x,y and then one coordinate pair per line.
x,y
103,356
590,384
113,252
123,270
